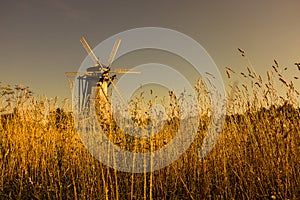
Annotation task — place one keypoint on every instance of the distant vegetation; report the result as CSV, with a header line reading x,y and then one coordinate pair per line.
x,y
256,157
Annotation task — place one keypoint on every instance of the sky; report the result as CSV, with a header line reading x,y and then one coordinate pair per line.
x,y
40,39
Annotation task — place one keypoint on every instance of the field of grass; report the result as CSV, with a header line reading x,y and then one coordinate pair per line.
x,y
257,155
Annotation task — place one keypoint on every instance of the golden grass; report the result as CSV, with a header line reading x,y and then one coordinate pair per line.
x,y
256,157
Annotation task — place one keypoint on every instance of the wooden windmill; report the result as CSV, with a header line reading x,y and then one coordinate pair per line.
x,y
94,83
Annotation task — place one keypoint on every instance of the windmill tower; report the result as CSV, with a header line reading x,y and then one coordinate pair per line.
x,y
92,87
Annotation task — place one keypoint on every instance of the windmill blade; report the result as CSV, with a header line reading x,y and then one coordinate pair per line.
x,y
71,73
114,52
83,73
124,71
118,91
88,49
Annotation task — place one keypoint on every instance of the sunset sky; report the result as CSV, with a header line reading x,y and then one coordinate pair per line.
x,y
40,39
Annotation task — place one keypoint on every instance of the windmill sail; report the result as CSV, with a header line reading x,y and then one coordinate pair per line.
x,y
114,52
90,51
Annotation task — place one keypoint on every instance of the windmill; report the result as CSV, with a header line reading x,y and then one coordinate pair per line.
x,y
94,83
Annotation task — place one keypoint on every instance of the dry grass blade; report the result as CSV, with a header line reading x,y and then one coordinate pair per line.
x,y
269,76
260,79
276,63
256,83
249,70
210,75
275,69
283,81
298,65
229,69
243,75
227,72
242,52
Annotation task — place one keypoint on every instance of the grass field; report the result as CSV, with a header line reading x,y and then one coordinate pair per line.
x,y
256,157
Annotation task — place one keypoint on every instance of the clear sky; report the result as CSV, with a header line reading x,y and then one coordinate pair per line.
x,y
40,39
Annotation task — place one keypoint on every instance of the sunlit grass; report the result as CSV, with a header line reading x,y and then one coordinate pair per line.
x,y
256,157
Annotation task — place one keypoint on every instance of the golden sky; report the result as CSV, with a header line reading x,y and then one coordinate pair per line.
x,y
40,39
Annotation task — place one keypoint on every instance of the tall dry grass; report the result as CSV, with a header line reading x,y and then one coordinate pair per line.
x,y
256,157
